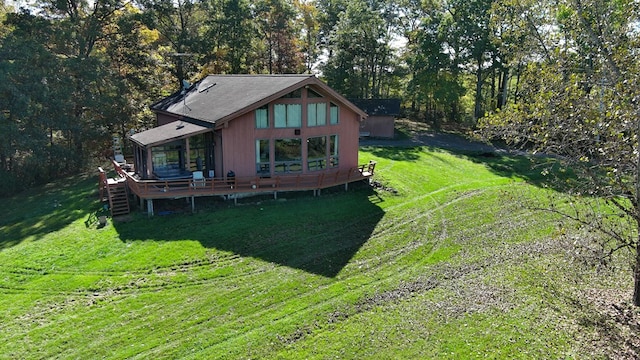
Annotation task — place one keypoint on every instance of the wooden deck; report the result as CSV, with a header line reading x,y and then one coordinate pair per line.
x,y
148,190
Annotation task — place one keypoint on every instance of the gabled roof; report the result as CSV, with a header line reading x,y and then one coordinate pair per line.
x,y
220,98
165,133
373,107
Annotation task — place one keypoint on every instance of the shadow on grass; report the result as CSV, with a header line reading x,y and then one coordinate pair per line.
x,y
536,170
318,235
395,153
47,209
532,169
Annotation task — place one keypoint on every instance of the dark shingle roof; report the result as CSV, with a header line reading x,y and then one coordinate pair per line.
x,y
375,107
168,132
222,97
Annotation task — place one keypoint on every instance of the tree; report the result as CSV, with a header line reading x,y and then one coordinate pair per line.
x,y
178,23
469,40
64,73
230,33
26,128
131,57
310,16
275,21
436,82
360,68
330,13
56,53
578,104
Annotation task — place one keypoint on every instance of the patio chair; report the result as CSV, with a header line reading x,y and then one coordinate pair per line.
x,y
119,158
198,179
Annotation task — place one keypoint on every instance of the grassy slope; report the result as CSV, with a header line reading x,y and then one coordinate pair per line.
x,y
450,267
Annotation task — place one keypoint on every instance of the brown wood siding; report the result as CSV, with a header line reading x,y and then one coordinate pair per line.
x,y
238,146
163,119
348,138
379,126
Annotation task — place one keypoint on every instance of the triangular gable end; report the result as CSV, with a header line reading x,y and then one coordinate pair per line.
x,y
312,80
218,99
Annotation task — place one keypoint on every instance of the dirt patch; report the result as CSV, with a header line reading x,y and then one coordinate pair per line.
x,y
614,324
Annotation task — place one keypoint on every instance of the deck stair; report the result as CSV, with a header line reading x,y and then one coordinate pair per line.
x,y
117,146
115,192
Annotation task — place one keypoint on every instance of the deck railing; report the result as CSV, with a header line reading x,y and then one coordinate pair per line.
x,y
158,189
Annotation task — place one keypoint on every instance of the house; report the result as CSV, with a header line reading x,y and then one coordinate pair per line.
x,y
248,133
249,125
381,116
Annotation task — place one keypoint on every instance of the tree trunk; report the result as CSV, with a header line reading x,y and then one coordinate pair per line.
x,y
478,99
636,267
502,82
505,88
494,78
636,276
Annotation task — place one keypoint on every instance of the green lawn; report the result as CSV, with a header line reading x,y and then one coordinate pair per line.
x,y
444,261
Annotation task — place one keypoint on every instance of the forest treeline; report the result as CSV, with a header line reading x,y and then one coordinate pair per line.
x,y
75,72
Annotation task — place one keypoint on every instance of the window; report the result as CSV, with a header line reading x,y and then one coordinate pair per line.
x,y
333,151
317,153
287,115
168,159
197,152
262,158
262,117
313,94
295,94
316,114
333,112
288,156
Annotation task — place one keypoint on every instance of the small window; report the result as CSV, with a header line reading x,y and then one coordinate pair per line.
x,y
262,158
287,115
334,155
334,113
262,117
295,94
316,114
313,94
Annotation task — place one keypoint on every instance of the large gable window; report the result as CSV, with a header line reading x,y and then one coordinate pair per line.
x,y
168,160
288,155
316,114
317,153
287,115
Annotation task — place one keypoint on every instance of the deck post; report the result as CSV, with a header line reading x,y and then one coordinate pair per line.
x,y
150,207
346,187
193,204
275,195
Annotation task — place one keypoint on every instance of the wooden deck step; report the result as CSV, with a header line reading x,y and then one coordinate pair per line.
x,y
118,199
116,192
